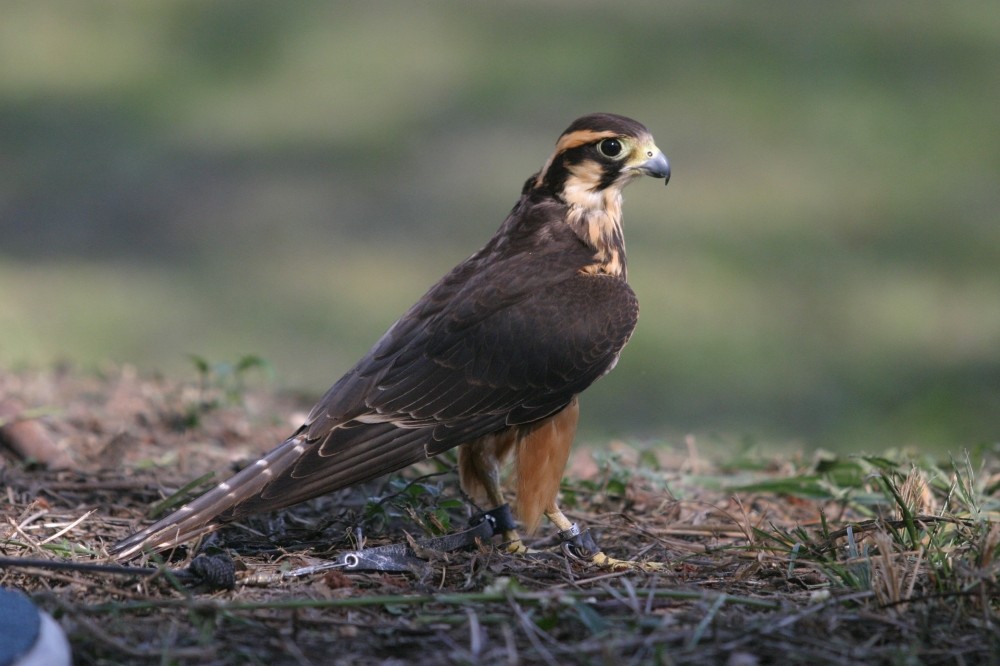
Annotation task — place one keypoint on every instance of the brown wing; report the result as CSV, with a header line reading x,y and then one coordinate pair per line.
x,y
507,338
476,367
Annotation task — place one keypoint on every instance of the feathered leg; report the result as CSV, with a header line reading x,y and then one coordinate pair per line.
x,y
541,451
479,464
542,454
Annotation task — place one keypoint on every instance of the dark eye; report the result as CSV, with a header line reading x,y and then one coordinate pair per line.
x,y
610,147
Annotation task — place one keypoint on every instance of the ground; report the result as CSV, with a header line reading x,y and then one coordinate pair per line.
x,y
811,558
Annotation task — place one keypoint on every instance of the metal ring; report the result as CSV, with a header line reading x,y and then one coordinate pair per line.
x,y
571,533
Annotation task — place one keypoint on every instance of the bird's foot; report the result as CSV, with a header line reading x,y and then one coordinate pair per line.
x,y
601,560
502,520
580,545
515,546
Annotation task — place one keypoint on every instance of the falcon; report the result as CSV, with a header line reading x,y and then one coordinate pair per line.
x,y
491,359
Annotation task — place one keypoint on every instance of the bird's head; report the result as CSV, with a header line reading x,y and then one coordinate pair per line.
x,y
596,157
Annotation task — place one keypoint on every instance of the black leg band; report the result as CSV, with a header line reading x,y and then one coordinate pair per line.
x,y
579,543
501,518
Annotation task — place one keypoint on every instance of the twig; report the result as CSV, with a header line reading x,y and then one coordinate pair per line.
x,y
631,603
68,527
475,633
510,645
788,620
699,630
86,567
83,486
97,632
532,632
409,600
877,523
24,535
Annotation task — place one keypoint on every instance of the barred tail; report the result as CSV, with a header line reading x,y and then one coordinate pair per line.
x,y
205,514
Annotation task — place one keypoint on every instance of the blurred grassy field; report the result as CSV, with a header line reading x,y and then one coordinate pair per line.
x,y
283,179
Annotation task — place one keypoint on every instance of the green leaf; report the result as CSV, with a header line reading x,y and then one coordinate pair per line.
x,y
251,361
648,460
201,365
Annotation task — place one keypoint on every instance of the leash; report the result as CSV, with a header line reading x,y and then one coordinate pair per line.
x,y
398,557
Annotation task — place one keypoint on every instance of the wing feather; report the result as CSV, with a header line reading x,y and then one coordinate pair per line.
x,y
442,414
509,337
430,406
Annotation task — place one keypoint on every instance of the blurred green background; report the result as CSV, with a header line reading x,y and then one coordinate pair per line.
x,y
284,178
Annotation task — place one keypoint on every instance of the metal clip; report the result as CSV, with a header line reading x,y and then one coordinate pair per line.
x,y
391,557
400,557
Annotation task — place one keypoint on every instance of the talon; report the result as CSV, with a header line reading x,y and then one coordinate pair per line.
x,y
516,547
613,564
512,543
580,545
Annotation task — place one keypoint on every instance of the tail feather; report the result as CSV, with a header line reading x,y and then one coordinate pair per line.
x,y
210,511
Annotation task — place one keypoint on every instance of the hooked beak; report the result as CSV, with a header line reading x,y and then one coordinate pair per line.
x,y
657,166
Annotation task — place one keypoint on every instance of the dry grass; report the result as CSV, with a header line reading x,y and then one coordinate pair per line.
x,y
863,560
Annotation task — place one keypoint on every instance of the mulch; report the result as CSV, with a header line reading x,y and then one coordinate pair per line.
x,y
121,443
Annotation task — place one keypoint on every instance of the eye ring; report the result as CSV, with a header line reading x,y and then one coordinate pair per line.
x,y
612,148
